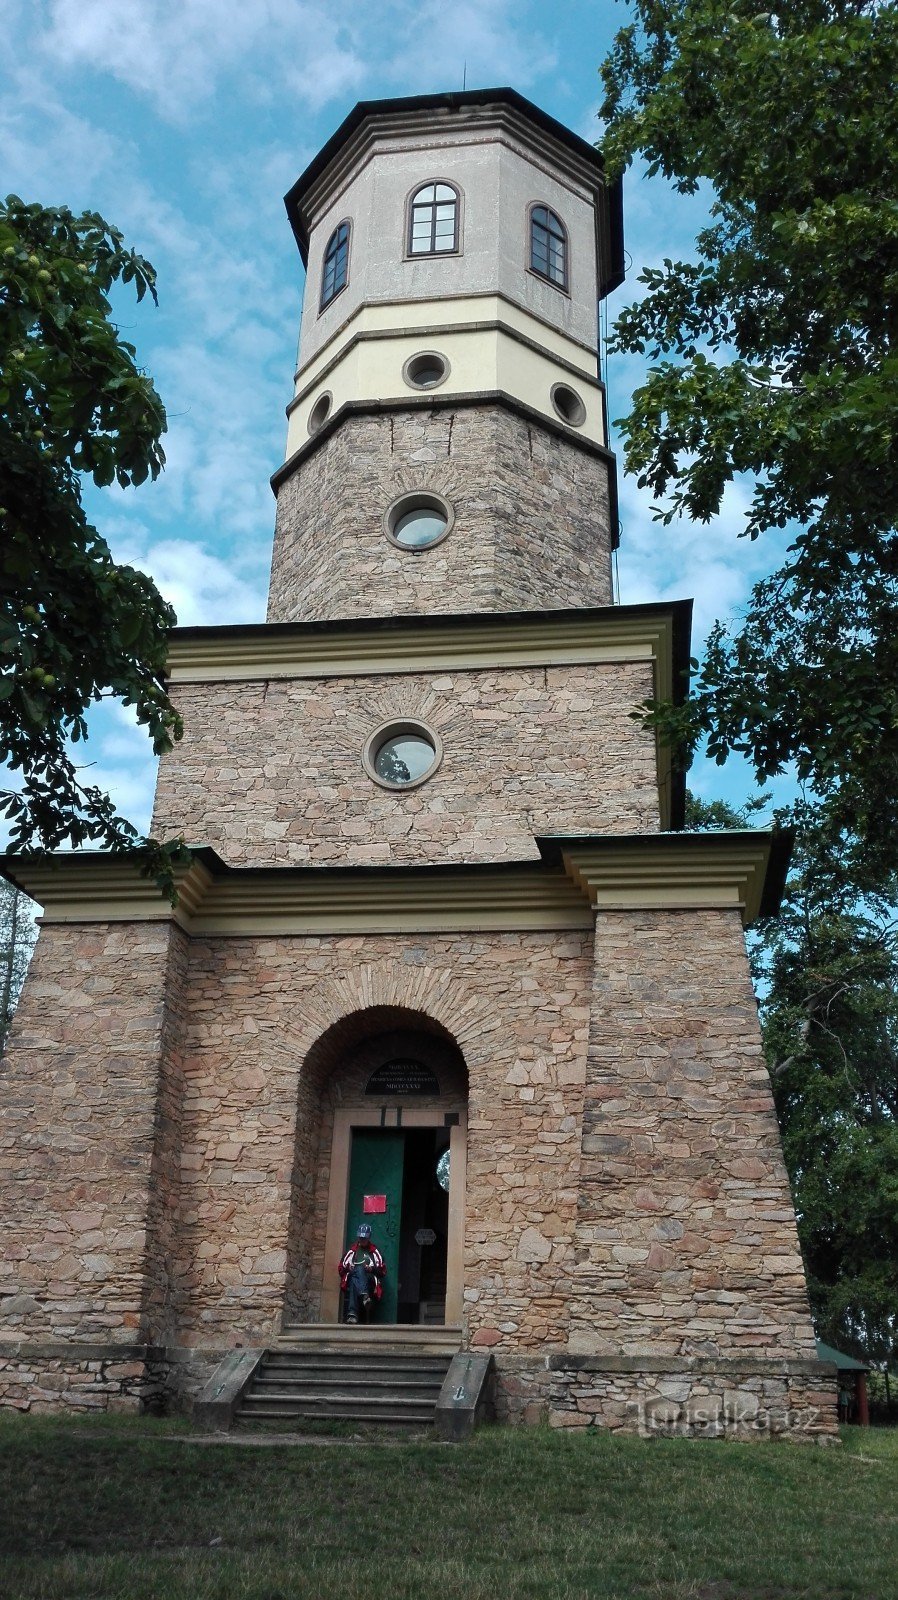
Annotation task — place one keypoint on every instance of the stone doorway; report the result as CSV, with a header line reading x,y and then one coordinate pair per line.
x,y
382,1101
395,1163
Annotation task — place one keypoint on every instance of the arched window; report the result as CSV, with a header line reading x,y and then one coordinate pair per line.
x,y
433,220
336,264
548,246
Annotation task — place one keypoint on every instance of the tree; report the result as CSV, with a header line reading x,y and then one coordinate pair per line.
x,y
826,975
74,625
829,998
17,936
775,355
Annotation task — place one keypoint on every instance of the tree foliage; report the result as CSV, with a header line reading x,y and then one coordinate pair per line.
x,y
74,625
17,936
775,355
829,999
826,973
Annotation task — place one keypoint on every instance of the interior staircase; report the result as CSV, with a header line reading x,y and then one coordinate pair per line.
x,y
364,1374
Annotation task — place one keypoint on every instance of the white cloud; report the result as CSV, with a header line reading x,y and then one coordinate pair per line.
x,y
178,53
439,40
709,562
203,588
66,160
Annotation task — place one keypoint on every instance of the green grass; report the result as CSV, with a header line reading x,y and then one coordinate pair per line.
x,y
99,1508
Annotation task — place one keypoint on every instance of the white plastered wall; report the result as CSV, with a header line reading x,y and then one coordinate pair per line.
x,y
499,180
489,344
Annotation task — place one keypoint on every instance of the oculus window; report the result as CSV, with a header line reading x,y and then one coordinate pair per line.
x,y
433,220
400,755
548,246
320,412
568,405
426,370
417,521
336,264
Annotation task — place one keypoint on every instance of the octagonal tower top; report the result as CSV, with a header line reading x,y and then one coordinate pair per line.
x,y
456,247
541,162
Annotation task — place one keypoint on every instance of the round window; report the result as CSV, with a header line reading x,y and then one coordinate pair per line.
x,y
418,521
400,755
568,405
320,412
426,370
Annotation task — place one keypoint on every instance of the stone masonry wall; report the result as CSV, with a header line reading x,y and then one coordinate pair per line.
x,y
745,1398
159,1313
271,773
735,1398
94,1377
630,1248
686,1241
518,1006
79,1105
531,519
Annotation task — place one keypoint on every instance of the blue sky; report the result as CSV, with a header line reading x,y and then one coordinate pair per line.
x,y
184,122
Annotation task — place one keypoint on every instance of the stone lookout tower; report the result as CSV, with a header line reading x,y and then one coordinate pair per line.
x,y
443,961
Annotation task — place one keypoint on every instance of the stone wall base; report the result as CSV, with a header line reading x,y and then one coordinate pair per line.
x,y
674,1397
735,1398
45,1377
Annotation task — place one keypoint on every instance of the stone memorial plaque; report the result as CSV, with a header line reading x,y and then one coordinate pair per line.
x,y
402,1077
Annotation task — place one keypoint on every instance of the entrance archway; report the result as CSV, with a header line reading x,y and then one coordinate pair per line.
x,y
386,1090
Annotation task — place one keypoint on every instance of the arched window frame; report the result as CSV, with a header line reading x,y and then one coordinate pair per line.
x,y
563,283
417,255
327,297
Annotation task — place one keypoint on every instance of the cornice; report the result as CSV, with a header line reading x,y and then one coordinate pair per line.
x,y
433,116
414,330
577,878
438,400
475,639
744,870
335,353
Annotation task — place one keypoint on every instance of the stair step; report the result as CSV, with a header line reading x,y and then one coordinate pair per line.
x,y
296,1415
395,1337
404,1330
336,1397
360,1367
362,1386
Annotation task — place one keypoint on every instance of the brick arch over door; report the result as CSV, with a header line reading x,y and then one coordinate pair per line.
x,y
332,1082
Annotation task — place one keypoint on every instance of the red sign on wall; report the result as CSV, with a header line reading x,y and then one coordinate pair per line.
x,y
374,1205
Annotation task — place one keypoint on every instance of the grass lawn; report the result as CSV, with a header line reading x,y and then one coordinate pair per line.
x,y
127,1508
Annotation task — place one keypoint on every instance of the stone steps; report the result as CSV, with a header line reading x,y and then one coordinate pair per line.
x,y
395,1338
391,1375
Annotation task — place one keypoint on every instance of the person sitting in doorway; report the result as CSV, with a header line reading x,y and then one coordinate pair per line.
x,y
361,1272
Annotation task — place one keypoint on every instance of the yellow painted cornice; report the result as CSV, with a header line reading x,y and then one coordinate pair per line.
x,y
577,878
745,870
657,633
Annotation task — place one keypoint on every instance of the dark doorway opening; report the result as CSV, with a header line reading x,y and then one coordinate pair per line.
x,y
424,1229
399,1184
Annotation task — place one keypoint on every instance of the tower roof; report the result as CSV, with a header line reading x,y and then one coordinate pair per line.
x,y
410,105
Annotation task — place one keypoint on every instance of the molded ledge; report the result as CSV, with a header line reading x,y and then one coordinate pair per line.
x,y
578,877
761,1366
